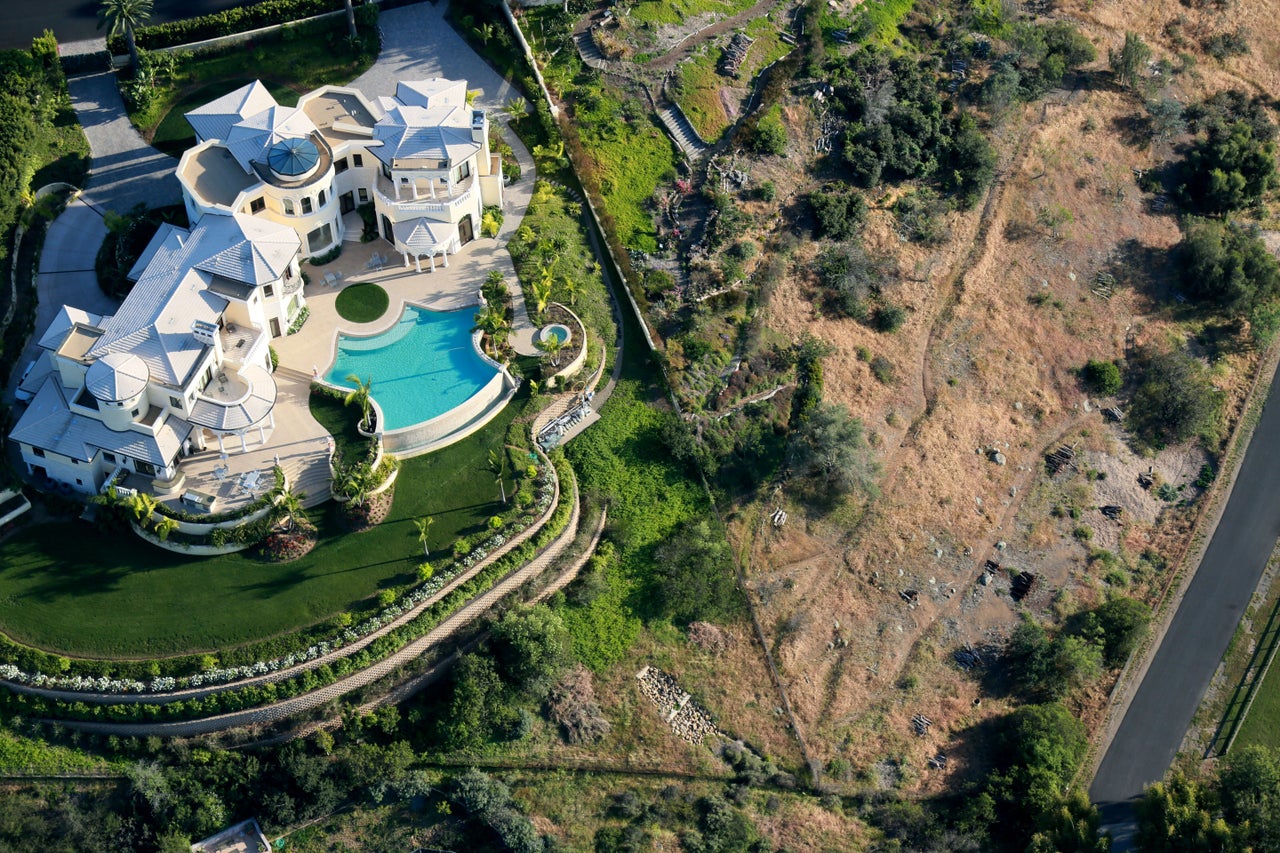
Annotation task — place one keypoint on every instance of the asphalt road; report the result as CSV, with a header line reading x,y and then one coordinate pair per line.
x,y
1161,711
77,20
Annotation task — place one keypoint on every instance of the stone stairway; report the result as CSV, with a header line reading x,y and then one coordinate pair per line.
x,y
310,476
686,138
590,54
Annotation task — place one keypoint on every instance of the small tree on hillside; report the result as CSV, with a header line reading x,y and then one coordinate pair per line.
x,y
830,452
1128,62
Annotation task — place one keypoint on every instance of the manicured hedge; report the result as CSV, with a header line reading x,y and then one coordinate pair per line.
x,y
238,20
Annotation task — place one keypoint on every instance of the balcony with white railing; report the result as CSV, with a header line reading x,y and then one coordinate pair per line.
x,y
424,196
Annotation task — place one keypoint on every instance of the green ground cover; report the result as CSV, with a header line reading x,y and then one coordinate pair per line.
x,y
29,755
173,135
362,303
61,589
1262,726
699,97
675,11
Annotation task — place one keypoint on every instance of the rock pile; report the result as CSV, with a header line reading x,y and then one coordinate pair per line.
x,y
686,717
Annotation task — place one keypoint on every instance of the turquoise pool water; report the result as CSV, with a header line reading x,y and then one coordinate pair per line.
x,y
421,367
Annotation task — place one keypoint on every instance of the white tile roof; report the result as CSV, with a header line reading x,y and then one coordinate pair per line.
x,y
257,251
249,139
436,92
155,320
117,376
48,423
162,233
62,323
216,118
424,237
244,413
414,132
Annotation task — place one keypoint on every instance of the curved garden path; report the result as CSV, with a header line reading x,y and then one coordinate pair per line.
x,y
309,701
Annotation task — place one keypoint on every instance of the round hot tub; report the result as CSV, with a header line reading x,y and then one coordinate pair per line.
x,y
555,330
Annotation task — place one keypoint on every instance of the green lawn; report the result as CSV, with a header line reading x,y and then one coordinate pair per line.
x,y
64,587
362,303
173,135
1262,726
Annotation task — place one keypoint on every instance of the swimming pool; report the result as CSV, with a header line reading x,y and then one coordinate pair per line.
x,y
422,367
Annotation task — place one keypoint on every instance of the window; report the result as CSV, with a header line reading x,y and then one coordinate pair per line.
x,y
464,171
306,206
38,451
109,458
364,195
134,413
319,238
176,402
386,171
340,166
257,205
322,198
268,290
144,467
358,159
288,207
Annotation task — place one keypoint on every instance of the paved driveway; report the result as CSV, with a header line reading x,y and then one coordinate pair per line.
x,y
1172,689
418,44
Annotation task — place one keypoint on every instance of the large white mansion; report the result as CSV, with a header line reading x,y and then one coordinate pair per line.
x,y
185,360
421,157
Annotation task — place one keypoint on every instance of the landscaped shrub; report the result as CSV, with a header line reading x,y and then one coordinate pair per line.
x,y
1101,377
236,20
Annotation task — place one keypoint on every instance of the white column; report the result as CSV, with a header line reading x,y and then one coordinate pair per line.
x,y
432,186
446,258
413,187
221,449
244,445
262,433
406,261
397,185
417,262
432,258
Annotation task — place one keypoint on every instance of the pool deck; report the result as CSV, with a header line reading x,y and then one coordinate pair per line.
x,y
451,288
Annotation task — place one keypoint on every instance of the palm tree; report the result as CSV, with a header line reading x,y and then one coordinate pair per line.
x,y
142,505
571,289
486,31
361,396
290,503
498,465
124,16
552,346
490,322
516,107
351,21
164,526
494,289
424,524
541,287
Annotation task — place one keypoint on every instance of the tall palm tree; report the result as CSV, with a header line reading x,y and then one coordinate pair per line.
x,y
424,524
498,465
516,108
351,21
490,323
124,16
361,395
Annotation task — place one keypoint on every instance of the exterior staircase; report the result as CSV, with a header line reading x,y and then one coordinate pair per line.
x,y
681,130
590,54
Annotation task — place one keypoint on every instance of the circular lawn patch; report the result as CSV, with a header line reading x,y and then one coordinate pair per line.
x,y
362,303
